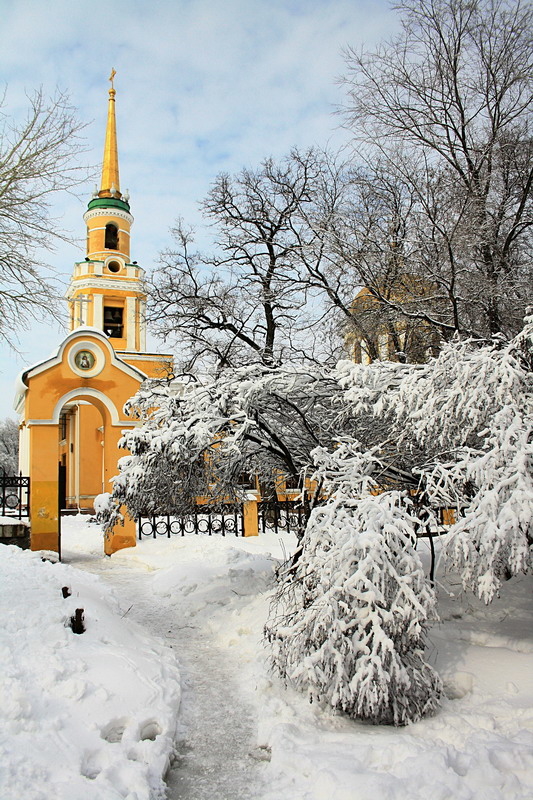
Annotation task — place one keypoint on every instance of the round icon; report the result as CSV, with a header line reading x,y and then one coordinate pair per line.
x,y
84,359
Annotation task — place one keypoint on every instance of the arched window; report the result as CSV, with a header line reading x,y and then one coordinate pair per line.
x,y
111,237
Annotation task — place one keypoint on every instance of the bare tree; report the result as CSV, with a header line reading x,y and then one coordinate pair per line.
x,y
253,300
445,110
371,279
37,160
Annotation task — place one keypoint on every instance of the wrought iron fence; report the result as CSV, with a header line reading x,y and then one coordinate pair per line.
x,y
282,516
224,521
14,496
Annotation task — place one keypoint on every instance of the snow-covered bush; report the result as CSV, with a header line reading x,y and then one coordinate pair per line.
x,y
349,619
107,511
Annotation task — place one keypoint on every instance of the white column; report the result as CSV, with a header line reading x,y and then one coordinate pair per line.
x,y
24,450
142,326
130,323
98,311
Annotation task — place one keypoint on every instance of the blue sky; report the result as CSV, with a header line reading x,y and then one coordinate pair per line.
x,y
203,86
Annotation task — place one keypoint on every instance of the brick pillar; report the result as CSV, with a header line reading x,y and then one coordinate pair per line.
x,y
250,517
121,536
44,513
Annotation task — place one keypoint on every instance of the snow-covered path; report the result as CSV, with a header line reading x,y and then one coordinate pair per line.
x,y
216,754
217,728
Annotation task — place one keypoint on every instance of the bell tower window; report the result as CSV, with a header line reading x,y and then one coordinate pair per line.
x,y
113,322
111,237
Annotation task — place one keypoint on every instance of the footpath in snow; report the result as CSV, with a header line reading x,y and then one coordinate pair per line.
x,y
95,716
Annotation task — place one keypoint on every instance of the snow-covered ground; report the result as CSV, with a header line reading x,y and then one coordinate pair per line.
x,y
92,716
82,716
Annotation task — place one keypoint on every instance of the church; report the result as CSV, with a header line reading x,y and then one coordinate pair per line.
x,y
70,405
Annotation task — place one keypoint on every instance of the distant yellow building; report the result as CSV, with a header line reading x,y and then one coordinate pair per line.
x,y
71,405
379,330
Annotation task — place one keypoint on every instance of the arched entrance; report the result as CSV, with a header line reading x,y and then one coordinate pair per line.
x,y
71,408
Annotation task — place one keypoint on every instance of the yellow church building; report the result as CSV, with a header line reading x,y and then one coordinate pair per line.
x,y
71,405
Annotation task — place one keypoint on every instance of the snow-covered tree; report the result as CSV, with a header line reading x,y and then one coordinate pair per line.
x,y
463,424
199,437
9,447
350,613
349,619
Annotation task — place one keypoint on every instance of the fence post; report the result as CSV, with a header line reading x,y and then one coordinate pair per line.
x,y
121,535
250,516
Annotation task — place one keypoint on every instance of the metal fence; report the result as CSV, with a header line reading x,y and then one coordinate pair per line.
x,y
14,496
224,521
282,516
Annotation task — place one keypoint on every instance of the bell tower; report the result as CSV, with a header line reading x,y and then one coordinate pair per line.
x,y
106,289
70,405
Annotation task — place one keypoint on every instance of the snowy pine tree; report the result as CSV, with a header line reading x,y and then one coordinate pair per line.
x,y
349,620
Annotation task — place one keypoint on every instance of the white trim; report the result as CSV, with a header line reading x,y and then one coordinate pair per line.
x,y
106,251
121,423
142,323
137,355
108,283
24,450
110,211
130,323
98,311
80,393
57,358
75,460
120,230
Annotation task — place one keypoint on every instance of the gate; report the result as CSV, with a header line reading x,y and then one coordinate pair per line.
x,y
282,516
14,496
226,520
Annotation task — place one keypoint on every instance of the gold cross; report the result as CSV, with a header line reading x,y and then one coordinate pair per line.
x,y
113,73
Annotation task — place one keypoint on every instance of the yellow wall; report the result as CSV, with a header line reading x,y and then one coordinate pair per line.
x,y
94,431
43,495
96,235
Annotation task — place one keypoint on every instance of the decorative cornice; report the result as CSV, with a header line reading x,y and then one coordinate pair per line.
x,y
109,212
135,355
122,284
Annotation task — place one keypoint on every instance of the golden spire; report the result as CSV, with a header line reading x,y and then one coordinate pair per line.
x,y
110,185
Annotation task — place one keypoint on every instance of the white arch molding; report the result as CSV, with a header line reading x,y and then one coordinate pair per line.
x,y
80,394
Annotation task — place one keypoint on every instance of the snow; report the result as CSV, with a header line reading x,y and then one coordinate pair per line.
x,y
241,733
13,521
82,716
